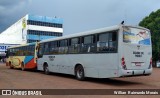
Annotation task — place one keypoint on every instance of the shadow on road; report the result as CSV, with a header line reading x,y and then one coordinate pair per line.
x,y
107,81
112,81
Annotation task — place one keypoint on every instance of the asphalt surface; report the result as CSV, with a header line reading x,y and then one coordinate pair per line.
x,y
30,79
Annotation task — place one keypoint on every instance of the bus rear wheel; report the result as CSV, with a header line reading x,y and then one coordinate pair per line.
x,y
10,65
45,68
79,72
22,66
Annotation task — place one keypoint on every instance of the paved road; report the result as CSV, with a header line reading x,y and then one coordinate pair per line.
x,y
17,79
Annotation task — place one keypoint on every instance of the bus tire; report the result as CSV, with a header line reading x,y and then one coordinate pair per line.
x,y
45,68
79,72
22,66
10,65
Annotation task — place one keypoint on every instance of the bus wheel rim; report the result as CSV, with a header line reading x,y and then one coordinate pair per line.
x,y
46,70
79,73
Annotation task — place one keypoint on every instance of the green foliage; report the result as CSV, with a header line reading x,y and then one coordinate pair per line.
x,y
152,22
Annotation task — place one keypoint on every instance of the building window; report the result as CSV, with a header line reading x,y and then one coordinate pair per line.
x,y
31,41
39,23
45,33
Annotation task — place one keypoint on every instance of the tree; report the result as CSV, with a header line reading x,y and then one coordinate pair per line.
x,y
152,22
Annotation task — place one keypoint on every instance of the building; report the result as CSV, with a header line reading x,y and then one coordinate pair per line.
x,y
3,48
32,28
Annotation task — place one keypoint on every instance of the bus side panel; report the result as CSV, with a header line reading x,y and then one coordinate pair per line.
x,y
29,62
108,65
50,62
40,63
95,65
16,61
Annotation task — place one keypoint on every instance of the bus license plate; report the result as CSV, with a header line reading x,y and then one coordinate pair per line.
x,y
138,64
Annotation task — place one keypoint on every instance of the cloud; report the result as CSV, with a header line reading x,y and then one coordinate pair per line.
x,y
82,15
11,10
79,15
9,3
11,6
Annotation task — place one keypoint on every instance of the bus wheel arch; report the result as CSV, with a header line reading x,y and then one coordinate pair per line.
x,y
10,65
45,68
79,72
22,66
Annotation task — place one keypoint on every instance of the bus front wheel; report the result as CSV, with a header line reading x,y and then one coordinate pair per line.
x,y
45,68
79,72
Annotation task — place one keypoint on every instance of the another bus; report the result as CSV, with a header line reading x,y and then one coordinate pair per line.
x,y
22,56
116,51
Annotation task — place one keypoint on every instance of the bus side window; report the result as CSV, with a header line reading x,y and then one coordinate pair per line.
x,y
94,43
54,47
24,51
63,49
17,51
102,42
32,49
89,44
20,51
113,42
107,42
46,48
41,51
74,45
10,52
86,40
7,53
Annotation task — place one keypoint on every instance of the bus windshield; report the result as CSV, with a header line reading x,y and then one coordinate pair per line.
x,y
136,36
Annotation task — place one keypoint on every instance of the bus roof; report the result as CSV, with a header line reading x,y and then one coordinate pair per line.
x,y
111,28
22,45
83,33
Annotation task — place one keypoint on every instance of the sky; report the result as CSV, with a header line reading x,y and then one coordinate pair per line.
x,y
79,15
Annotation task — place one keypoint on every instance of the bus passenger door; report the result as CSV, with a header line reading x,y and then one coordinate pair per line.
x,y
40,59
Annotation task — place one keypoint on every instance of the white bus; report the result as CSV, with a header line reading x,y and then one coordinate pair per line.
x,y
115,51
